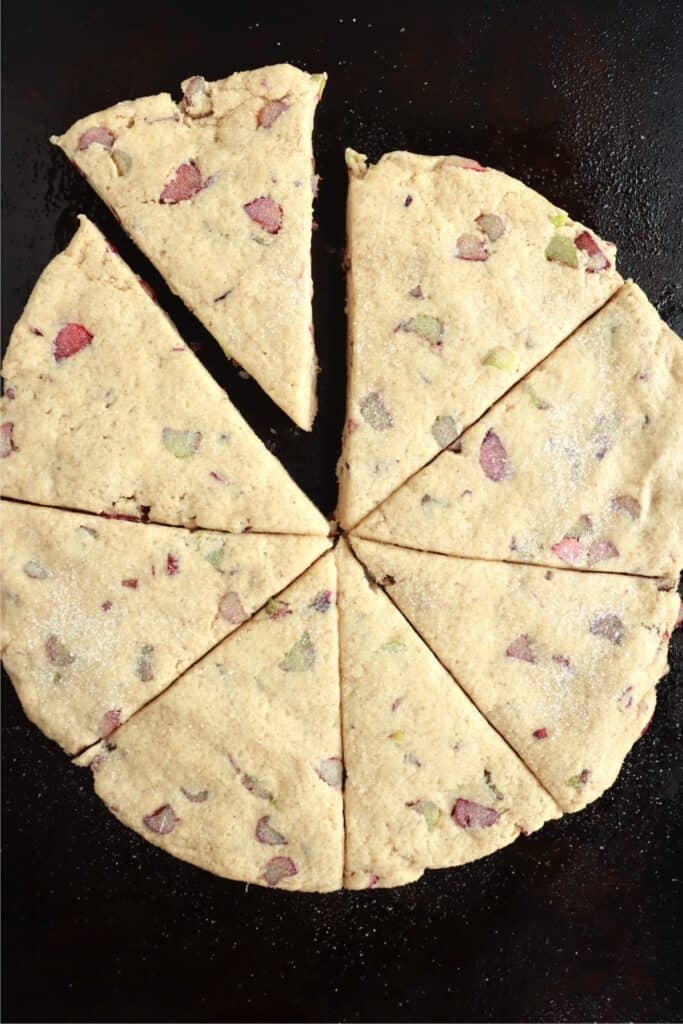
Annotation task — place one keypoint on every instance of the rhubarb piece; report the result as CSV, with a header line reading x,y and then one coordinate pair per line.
x,y
468,814
111,720
444,430
375,413
300,657
58,653
502,359
560,249
186,182
197,97
427,810
492,225
266,213
7,445
162,821
181,443
331,771
70,340
521,649
230,608
493,457
198,797
36,570
610,627
597,260
471,247
267,835
96,136
279,868
269,112
428,327
144,669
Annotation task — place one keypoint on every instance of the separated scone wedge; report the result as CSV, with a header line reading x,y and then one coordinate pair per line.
x,y
563,664
429,783
106,409
237,767
100,616
460,280
217,191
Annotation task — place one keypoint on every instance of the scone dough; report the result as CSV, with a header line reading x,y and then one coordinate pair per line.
x,y
581,464
217,191
460,280
100,616
106,409
562,664
237,767
429,783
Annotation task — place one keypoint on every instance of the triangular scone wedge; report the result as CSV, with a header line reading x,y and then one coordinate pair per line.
x,y
217,191
237,767
106,409
100,616
581,464
460,280
429,783
563,664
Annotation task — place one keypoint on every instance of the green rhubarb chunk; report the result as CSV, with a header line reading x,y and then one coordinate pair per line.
x,y
502,359
558,219
444,430
561,249
393,646
123,161
300,657
181,443
215,557
429,811
534,397
428,327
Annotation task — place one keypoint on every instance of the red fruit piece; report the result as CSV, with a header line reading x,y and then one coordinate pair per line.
x,y
470,815
266,834
231,609
185,183
196,97
374,879
162,821
143,664
131,584
71,339
568,550
57,653
540,734
111,720
471,247
626,503
331,771
493,457
172,564
597,261
562,659
465,161
601,550
266,212
279,868
106,606
7,445
270,112
322,601
521,649
101,136
609,626
195,798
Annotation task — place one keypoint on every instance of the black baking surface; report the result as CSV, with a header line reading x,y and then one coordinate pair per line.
x,y
581,921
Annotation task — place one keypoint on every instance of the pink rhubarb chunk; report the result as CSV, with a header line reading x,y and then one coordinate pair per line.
x,y
266,213
601,550
521,649
471,247
7,445
568,550
71,339
470,815
111,720
493,457
278,868
270,112
597,261
185,183
162,821
101,136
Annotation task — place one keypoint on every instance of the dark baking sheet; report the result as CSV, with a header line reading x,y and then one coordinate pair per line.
x,y
579,922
